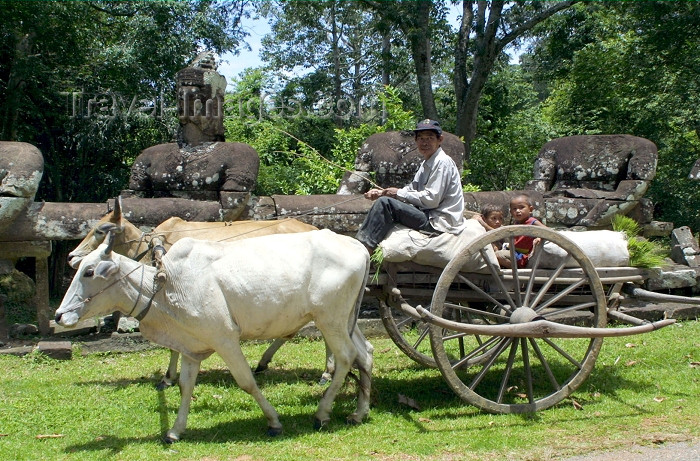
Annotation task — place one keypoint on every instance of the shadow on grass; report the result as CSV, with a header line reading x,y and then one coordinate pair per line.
x,y
424,386
237,428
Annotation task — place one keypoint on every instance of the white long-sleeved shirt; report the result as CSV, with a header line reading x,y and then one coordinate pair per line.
x,y
437,188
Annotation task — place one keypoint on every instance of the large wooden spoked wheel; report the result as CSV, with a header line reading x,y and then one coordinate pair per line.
x,y
518,374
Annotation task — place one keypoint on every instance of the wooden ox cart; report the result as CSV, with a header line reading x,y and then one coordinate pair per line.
x,y
505,340
509,340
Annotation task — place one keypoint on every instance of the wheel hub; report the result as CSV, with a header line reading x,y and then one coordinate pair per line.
x,y
523,315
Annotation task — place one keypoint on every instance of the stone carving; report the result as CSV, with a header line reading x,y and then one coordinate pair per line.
x,y
200,165
200,101
394,157
21,168
166,170
586,180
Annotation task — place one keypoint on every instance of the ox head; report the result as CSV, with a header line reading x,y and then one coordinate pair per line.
x,y
97,235
87,295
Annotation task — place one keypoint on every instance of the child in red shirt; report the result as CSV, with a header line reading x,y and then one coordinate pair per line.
x,y
520,210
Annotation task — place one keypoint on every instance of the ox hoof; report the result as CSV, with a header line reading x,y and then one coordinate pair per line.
x,y
353,420
163,385
318,424
274,431
260,369
169,439
325,379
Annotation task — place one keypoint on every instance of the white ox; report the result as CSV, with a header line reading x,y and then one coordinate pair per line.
x,y
135,244
217,294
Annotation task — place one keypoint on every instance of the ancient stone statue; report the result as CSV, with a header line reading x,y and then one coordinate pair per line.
x,y
586,180
200,165
21,168
200,101
394,157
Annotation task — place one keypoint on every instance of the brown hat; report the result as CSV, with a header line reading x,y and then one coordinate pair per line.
x,y
428,124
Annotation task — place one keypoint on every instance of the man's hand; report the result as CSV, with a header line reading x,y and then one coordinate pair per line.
x,y
374,194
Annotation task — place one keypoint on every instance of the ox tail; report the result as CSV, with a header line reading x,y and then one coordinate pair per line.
x,y
360,296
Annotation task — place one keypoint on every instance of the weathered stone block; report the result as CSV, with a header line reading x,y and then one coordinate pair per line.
x,y
127,325
657,229
669,278
59,350
684,247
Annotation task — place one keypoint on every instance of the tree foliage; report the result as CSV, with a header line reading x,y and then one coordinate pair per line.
x,y
330,50
86,82
304,153
636,72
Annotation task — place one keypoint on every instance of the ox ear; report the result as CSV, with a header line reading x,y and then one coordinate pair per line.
x,y
106,268
109,227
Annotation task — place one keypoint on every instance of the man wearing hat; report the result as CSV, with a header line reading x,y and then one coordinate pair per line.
x,y
432,203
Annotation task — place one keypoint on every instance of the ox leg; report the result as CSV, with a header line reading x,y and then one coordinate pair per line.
x,y
345,353
364,363
188,377
241,372
330,367
274,347
269,352
170,375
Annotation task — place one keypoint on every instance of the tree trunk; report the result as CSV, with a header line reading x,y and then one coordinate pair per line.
x,y
15,86
420,50
337,78
484,25
469,92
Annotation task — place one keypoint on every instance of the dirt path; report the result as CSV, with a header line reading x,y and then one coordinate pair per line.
x,y
676,451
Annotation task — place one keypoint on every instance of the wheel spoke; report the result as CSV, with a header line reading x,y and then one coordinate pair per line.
x,y
533,271
404,321
565,354
479,312
561,294
545,364
561,310
547,285
484,294
498,351
514,272
483,346
421,337
528,370
496,273
506,373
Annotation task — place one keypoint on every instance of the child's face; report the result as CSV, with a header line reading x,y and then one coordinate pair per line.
x,y
494,219
520,210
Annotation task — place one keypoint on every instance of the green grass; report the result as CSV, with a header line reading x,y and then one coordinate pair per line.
x,y
644,390
643,253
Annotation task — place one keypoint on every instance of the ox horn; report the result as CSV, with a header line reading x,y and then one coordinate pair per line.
x,y
117,213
